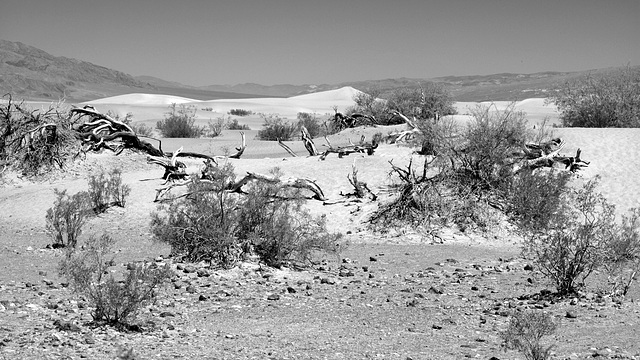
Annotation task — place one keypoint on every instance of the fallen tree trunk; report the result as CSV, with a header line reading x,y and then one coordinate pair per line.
x,y
362,147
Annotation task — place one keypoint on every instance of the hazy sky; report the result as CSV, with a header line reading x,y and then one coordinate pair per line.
x,y
204,42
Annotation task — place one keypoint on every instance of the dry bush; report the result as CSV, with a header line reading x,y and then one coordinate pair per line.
x,y
214,225
240,112
623,258
34,142
605,100
64,221
179,122
576,239
275,128
115,302
232,124
106,190
525,332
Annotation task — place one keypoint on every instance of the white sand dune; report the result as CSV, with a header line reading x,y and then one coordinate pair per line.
x,y
142,99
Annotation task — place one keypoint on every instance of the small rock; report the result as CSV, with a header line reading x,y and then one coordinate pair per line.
x,y
436,327
528,267
42,273
346,261
437,291
191,289
189,269
571,314
291,290
167,314
326,280
66,326
273,297
202,298
475,288
203,273
371,258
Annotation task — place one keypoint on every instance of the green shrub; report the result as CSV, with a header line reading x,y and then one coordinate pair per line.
x,y
275,128
604,100
525,332
64,221
240,112
107,190
179,122
212,224
116,302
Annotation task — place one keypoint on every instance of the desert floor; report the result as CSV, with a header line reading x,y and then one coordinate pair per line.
x,y
393,295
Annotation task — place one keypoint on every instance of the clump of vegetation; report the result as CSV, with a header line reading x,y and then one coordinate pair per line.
x,y
240,112
64,221
466,171
604,100
232,124
525,332
115,301
214,128
276,128
214,225
179,122
106,190
34,142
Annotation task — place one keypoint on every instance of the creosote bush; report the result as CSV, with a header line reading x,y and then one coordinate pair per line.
x,y
179,122
525,332
214,225
116,301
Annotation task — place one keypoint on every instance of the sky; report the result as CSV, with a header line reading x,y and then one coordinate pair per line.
x,y
205,42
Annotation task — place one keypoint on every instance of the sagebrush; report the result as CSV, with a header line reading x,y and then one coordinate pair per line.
x,y
525,332
64,221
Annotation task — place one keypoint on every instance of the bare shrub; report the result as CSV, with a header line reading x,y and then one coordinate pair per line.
x,y
311,123
179,122
525,332
275,128
64,221
34,142
107,190
429,101
115,301
214,128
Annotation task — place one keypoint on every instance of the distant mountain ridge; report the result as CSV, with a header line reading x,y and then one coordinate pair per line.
x,y
33,74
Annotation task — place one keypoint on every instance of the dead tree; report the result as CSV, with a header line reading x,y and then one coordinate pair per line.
x,y
362,147
308,142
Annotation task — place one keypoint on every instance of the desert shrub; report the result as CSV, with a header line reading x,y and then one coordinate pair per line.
x,y
141,129
214,128
232,124
240,112
311,122
115,301
623,257
214,225
272,219
179,122
202,226
605,100
534,197
525,332
34,142
107,190
275,128
369,103
429,101
64,221
576,239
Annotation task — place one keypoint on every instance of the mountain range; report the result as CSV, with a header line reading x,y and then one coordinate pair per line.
x,y
29,73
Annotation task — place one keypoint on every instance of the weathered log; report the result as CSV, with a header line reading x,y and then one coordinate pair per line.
x,y
240,150
286,148
308,142
236,187
362,147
